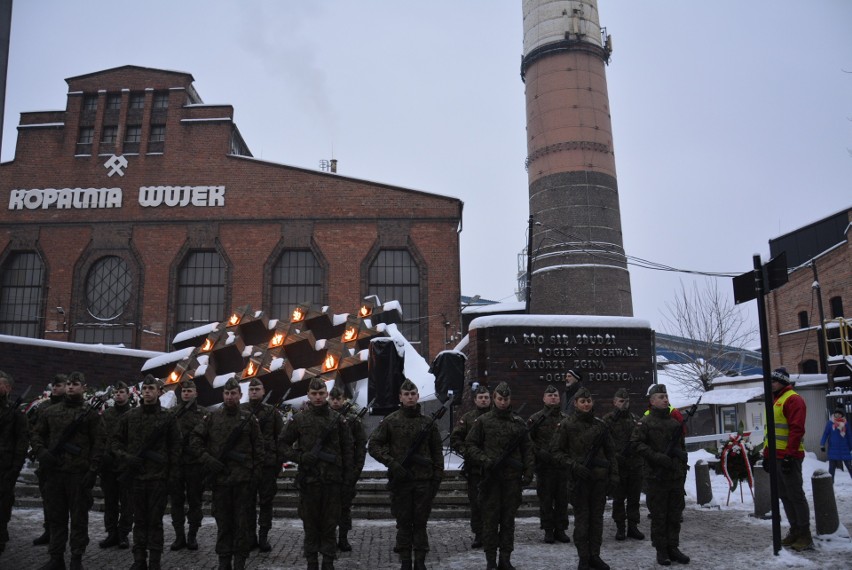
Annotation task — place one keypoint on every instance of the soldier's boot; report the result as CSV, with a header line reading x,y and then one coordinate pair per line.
x,y
583,564
239,562
620,531
405,564
596,562
253,541
663,557
677,556
343,541
180,539
191,540
491,559
43,539
110,541
548,536
419,560
55,563
263,540
634,532
76,562
154,559
313,561
123,543
477,541
225,563
505,562
140,561
791,537
804,541
327,562
561,536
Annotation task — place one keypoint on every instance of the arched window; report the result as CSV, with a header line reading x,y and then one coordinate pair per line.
x,y
296,278
200,290
394,276
109,288
21,286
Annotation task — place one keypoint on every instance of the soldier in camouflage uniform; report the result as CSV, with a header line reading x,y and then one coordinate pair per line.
x,y
551,477
271,424
148,441
659,441
337,399
230,445
413,485
482,403
118,508
70,473
185,487
57,394
625,496
319,440
492,435
14,441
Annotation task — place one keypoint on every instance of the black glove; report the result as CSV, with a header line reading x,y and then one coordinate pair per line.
x,y
787,465
134,462
680,454
399,472
663,460
89,479
544,456
582,472
436,484
47,460
526,479
214,466
308,459
822,448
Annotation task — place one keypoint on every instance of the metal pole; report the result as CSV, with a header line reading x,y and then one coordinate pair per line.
x,y
823,356
769,402
529,263
5,43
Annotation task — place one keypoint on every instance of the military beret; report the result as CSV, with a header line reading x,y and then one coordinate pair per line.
x,y
551,389
408,386
150,380
255,382
77,377
622,393
573,373
232,383
503,389
60,379
781,375
188,383
120,385
316,384
336,392
657,389
582,393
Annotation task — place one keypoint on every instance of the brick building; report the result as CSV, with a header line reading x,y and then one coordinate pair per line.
x,y
138,212
793,309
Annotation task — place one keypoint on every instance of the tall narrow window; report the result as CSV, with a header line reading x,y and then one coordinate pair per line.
x,y
803,320
21,288
137,100
296,278
134,134
109,134
158,133
90,102
113,101
836,304
109,287
200,290
394,276
161,100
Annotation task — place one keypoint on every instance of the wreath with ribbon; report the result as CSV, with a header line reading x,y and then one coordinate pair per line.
x,y
737,459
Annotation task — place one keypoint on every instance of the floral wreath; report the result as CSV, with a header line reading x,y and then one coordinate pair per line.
x,y
737,458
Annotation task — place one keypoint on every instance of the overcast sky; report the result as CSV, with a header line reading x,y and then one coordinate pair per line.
x,y
731,119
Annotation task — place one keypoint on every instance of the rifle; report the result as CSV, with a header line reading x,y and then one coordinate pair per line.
x,y
507,452
146,451
227,451
363,411
16,404
317,451
64,444
411,452
671,449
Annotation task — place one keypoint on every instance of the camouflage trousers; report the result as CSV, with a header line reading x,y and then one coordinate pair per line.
x,y
66,498
473,481
7,499
186,496
149,506
500,500
319,509
552,490
411,504
118,508
232,511
625,497
347,496
666,503
589,501
266,489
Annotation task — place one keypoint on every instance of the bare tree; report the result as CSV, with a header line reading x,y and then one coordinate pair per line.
x,y
715,331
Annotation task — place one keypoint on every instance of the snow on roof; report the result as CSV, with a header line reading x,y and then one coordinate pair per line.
x,y
558,321
98,348
495,307
195,332
167,358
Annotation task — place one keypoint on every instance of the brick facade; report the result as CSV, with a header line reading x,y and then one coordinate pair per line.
x,y
265,208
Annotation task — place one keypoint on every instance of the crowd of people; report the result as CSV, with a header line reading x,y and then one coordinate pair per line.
x,y
146,457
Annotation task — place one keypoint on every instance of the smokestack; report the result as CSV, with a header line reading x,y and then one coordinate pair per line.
x,y
333,165
579,266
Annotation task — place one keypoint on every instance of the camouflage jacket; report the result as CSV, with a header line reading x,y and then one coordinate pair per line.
x,y
491,434
111,416
244,460
271,423
462,428
652,438
359,443
84,449
574,440
187,420
303,432
151,428
14,438
542,436
396,434
622,423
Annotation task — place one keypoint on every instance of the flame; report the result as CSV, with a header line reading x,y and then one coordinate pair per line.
x,y
330,363
350,334
277,339
173,377
365,311
235,318
208,344
298,314
251,369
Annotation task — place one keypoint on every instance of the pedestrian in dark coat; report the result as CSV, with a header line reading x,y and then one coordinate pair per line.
x,y
498,443
337,400
660,442
625,495
319,440
837,437
230,446
57,395
413,483
185,490
14,441
573,382
472,473
551,478
70,472
148,442
118,507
